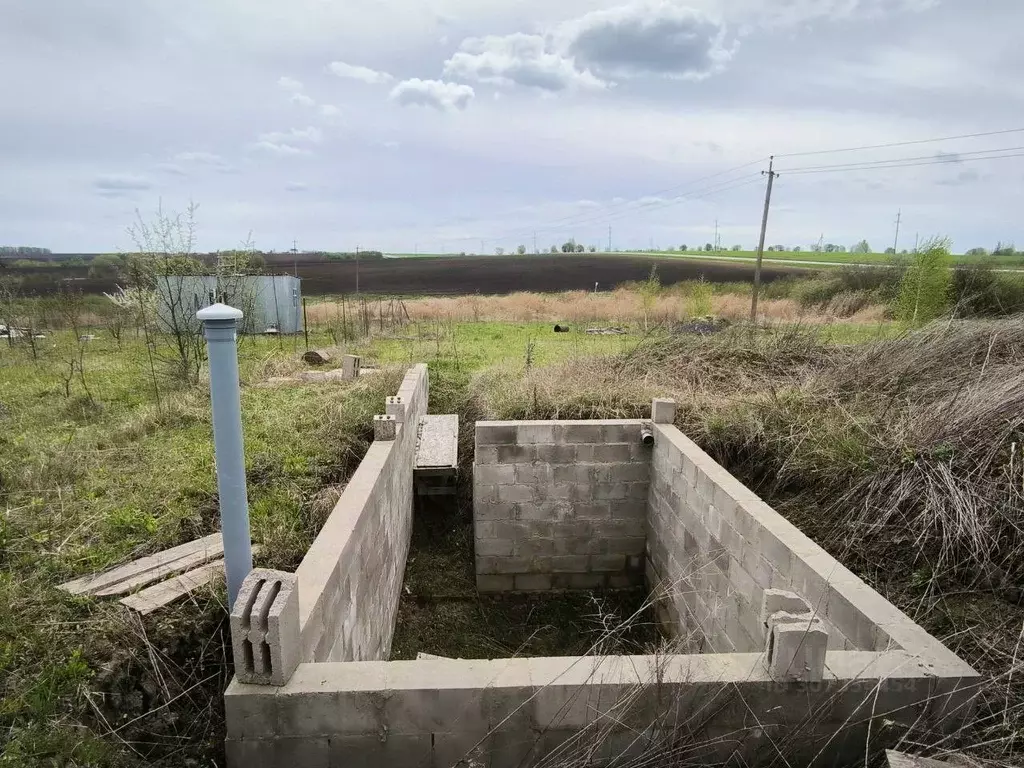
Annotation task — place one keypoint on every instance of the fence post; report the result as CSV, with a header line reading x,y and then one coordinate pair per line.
x,y
219,328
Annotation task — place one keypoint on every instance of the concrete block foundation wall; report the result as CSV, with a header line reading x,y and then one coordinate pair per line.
x,y
714,547
350,580
559,504
888,677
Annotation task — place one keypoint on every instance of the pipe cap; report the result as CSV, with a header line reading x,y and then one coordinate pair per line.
x,y
219,312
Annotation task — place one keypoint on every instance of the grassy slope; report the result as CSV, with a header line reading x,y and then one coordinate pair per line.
x,y
87,484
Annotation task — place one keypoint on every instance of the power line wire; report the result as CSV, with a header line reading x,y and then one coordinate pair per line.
x,y
901,143
841,169
952,158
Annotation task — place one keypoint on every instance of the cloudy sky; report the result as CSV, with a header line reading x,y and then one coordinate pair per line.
x,y
456,125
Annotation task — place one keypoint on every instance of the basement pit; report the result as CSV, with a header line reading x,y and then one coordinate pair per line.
x,y
775,653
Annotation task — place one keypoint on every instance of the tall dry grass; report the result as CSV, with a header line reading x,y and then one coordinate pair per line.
x,y
623,305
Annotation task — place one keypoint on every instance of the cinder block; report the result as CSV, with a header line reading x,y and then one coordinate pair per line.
x,y
582,433
569,564
494,474
775,600
611,454
265,638
485,454
496,529
605,563
490,509
796,647
373,750
516,454
610,491
487,434
620,433
535,433
635,471
350,365
516,493
663,410
531,474
532,582
384,427
556,454
396,406
494,547
533,547
587,580
486,582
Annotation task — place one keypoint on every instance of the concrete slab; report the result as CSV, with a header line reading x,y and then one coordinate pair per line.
x,y
437,443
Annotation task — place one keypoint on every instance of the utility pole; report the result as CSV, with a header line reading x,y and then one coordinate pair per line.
x,y
717,248
535,243
760,242
609,238
357,270
295,257
896,242
483,245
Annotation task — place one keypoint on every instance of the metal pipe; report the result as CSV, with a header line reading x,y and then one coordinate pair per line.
x,y
647,434
219,328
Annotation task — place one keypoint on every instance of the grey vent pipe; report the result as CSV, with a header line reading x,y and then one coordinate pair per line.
x,y
646,434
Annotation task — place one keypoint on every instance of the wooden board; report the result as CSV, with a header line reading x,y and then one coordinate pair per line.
x,y
157,596
145,570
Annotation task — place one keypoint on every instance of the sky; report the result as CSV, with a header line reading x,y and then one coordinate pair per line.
x,y
470,125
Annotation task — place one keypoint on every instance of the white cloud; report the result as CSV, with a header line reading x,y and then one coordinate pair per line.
x,y
437,94
356,72
517,59
302,100
329,110
289,84
278,148
200,158
312,135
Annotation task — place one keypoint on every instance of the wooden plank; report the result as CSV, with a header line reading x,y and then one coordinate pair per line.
x,y
157,596
160,563
438,442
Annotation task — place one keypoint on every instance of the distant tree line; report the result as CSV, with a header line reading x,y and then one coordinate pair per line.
x,y
23,250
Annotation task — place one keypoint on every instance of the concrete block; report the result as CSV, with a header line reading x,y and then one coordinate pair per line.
x,y
569,564
556,454
494,474
663,410
350,365
610,491
605,563
614,453
582,433
494,582
384,427
587,580
265,639
796,647
494,548
532,582
533,547
620,433
516,493
532,474
395,406
495,434
516,454
775,600
488,508
535,433
401,750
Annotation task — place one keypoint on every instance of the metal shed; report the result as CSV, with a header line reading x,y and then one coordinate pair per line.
x,y
267,301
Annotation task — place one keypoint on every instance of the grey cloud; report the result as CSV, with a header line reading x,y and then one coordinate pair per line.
x,y
171,168
948,157
296,186
651,37
118,182
356,72
517,59
437,94
964,177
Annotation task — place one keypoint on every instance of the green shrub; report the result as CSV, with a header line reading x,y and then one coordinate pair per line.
x,y
979,291
925,287
817,291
